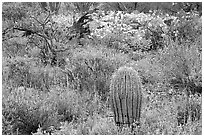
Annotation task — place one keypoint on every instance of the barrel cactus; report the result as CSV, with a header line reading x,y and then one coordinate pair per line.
x,y
126,96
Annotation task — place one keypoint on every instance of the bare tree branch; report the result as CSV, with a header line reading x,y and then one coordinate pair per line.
x,y
32,32
37,21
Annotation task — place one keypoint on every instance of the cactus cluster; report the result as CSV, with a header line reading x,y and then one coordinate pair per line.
x,y
126,96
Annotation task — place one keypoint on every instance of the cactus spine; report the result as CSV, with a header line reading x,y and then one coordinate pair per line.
x,y
126,96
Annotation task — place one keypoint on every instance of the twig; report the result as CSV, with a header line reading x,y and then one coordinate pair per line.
x,y
31,31
37,21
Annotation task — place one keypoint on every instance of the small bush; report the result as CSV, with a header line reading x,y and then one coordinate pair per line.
x,y
22,71
25,110
93,67
195,109
95,125
65,103
181,66
21,109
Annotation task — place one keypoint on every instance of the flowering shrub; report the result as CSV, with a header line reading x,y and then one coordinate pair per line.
x,y
135,30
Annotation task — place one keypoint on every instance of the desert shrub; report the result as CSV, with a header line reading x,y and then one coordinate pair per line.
x,y
181,104
49,76
151,73
185,27
160,115
187,108
14,11
119,31
157,115
65,103
195,109
93,67
22,71
93,126
181,66
17,71
77,113
27,72
130,31
147,32
25,109
192,128
14,46
21,109
104,126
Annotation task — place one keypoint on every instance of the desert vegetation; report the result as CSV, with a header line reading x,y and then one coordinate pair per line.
x,y
64,64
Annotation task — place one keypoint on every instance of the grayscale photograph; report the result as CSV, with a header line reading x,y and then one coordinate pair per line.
x,y
101,68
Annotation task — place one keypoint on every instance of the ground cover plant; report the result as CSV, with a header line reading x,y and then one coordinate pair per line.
x,y
59,59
